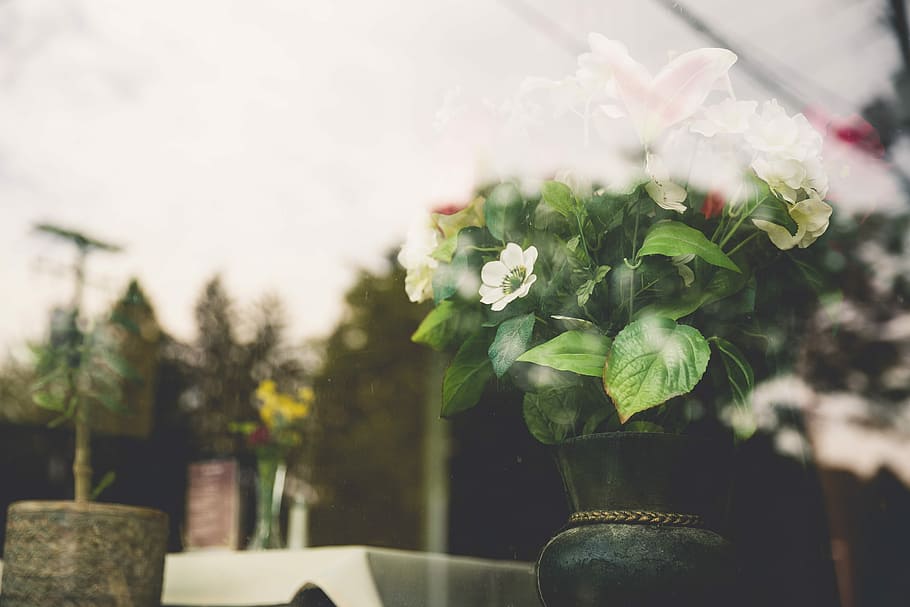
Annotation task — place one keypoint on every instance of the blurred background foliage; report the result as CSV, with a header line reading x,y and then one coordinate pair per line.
x,y
380,468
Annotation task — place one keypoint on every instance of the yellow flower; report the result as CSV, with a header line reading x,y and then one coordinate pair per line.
x,y
279,409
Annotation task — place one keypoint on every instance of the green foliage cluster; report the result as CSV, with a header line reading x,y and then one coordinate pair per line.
x,y
79,368
616,324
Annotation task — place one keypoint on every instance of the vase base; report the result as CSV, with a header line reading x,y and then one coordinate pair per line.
x,y
627,565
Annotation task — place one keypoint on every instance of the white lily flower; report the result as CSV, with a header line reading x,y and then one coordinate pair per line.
x,y
415,258
727,117
509,278
811,215
655,103
665,193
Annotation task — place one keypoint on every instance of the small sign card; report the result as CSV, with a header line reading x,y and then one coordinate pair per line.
x,y
212,505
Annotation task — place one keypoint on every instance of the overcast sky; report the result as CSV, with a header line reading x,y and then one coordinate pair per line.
x,y
285,144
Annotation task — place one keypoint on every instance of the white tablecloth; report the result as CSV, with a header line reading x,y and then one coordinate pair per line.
x,y
349,576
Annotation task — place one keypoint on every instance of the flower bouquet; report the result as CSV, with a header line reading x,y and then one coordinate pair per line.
x,y
280,429
595,298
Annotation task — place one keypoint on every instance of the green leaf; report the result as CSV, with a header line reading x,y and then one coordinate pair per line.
x,y
742,381
672,238
120,365
651,361
437,329
643,427
584,292
112,403
550,415
467,376
596,419
47,400
601,273
503,210
582,352
446,249
106,481
449,276
570,323
511,341
723,283
559,197
573,243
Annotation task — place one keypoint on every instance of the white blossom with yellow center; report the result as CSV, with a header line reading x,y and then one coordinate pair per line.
x,y
508,278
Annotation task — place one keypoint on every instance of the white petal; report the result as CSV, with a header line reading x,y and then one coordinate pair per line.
x,y
779,235
489,294
612,111
530,257
813,213
681,87
493,273
686,273
502,303
526,286
667,195
511,256
706,128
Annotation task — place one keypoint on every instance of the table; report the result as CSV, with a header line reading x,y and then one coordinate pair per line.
x,y
344,576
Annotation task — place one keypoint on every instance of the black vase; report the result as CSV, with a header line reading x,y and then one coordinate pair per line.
x,y
645,507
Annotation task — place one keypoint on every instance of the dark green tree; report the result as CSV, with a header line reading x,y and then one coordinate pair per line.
x,y
370,416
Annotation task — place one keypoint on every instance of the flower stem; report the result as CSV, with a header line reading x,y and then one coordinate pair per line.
x,y
741,220
632,267
740,245
584,242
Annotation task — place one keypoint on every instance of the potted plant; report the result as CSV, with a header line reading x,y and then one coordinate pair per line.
x,y
81,552
607,304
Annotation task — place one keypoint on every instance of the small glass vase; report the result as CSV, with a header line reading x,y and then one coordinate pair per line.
x,y
271,471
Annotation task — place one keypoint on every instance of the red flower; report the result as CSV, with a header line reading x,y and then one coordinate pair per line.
x,y
856,132
259,437
713,204
449,209
853,131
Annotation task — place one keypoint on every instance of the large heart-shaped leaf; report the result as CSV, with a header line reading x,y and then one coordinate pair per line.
x,y
467,376
582,352
672,238
511,341
651,361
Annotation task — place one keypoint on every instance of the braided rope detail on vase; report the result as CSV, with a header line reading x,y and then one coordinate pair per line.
x,y
635,517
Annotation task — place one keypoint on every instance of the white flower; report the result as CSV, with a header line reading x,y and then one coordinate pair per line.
x,y
784,176
415,257
508,278
816,175
665,193
655,103
811,216
727,117
773,132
